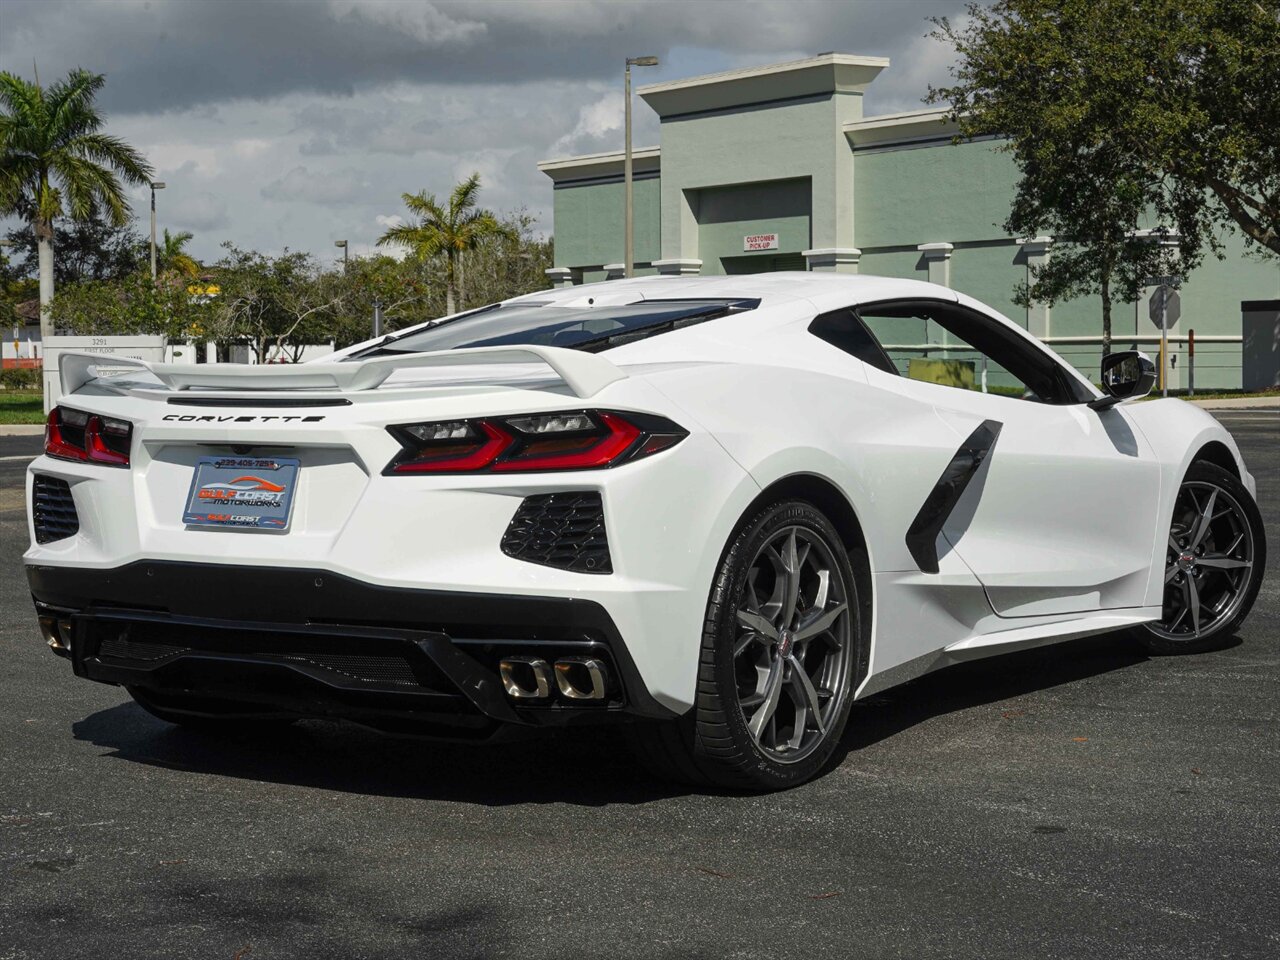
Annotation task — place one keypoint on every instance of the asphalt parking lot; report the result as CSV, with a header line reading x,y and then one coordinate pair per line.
x,y
1076,801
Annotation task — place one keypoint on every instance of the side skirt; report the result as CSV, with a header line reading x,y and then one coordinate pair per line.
x,y
981,646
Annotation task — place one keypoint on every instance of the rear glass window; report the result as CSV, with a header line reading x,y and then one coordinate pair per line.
x,y
549,325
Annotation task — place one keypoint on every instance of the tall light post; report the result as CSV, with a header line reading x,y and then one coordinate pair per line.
x,y
343,245
628,257
155,185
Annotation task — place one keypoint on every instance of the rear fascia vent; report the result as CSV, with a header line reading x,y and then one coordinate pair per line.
x,y
53,509
564,530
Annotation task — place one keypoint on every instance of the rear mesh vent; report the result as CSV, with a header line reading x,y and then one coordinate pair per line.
x,y
394,670
564,530
53,510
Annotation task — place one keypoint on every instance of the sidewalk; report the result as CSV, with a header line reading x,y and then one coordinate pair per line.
x,y
21,429
1240,403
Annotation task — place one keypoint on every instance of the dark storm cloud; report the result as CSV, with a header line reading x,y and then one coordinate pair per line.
x,y
294,123
179,54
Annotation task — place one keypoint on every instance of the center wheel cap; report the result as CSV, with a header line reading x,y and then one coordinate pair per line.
x,y
786,640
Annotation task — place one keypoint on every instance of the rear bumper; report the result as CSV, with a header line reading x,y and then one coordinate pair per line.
x,y
306,642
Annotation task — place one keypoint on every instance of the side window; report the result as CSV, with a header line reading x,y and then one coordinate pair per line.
x,y
954,347
844,331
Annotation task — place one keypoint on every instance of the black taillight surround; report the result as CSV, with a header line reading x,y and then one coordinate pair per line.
x,y
531,442
71,434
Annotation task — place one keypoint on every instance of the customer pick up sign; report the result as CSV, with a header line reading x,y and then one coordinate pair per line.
x,y
760,241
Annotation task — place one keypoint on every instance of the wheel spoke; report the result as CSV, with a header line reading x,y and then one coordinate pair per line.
x,y
821,622
791,564
824,590
758,623
809,694
1192,593
772,689
1223,563
1206,518
1170,572
1174,545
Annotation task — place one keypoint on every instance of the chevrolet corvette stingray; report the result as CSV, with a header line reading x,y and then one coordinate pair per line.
x,y
717,510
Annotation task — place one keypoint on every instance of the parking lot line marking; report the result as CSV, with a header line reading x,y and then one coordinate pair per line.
x,y
20,456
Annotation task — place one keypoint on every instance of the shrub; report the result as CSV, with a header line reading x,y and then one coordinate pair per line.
x,y
20,378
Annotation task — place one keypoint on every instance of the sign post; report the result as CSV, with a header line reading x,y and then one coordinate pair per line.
x,y
1165,309
1191,361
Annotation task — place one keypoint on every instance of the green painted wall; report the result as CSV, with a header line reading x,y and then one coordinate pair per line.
x,y
930,194
727,214
589,219
988,273
902,264
795,139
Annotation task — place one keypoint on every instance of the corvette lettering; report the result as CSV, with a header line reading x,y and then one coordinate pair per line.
x,y
228,418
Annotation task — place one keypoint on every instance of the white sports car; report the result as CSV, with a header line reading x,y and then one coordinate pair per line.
x,y
721,509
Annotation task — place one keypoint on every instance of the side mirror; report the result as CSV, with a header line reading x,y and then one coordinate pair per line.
x,y
1125,376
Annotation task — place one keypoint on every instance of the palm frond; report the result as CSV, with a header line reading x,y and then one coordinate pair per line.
x,y
110,151
464,194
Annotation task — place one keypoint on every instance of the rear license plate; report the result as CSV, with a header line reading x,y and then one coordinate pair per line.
x,y
242,492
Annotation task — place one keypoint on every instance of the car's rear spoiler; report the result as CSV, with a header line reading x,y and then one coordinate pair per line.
x,y
586,374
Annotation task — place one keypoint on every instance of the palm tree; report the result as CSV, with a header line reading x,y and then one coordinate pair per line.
x,y
55,161
448,231
172,257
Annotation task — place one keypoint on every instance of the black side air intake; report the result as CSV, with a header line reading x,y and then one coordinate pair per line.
x,y
53,510
564,530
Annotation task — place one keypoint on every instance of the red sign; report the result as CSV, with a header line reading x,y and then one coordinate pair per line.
x,y
760,241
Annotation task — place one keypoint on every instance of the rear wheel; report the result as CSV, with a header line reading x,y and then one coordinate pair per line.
x,y
208,716
780,645
1214,561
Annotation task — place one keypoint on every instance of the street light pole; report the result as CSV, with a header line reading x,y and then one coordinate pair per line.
x,y
628,257
155,185
343,245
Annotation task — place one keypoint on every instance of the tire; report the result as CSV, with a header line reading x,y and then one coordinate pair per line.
x,y
743,669
1216,568
205,716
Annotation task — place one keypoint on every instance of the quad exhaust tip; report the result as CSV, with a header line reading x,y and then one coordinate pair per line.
x,y
576,678
56,633
581,678
525,678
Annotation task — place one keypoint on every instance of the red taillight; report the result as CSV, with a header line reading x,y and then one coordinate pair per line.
x,y
574,440
75,435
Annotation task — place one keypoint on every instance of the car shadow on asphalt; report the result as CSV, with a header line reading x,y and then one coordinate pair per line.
x,y
585,767
992,680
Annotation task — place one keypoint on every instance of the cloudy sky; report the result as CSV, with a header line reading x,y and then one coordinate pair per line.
x,y
298,122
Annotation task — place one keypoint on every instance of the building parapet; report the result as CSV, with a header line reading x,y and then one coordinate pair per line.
x,y
644,160
897,129
826,73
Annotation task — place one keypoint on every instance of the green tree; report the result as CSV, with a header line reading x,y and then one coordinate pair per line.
x,y
447,231
1213,96
398,286
1062,81
172,256
89,249
55,161
130,306
283,303
508,263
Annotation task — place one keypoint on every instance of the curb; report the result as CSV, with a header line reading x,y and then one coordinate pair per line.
x,y
21,429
